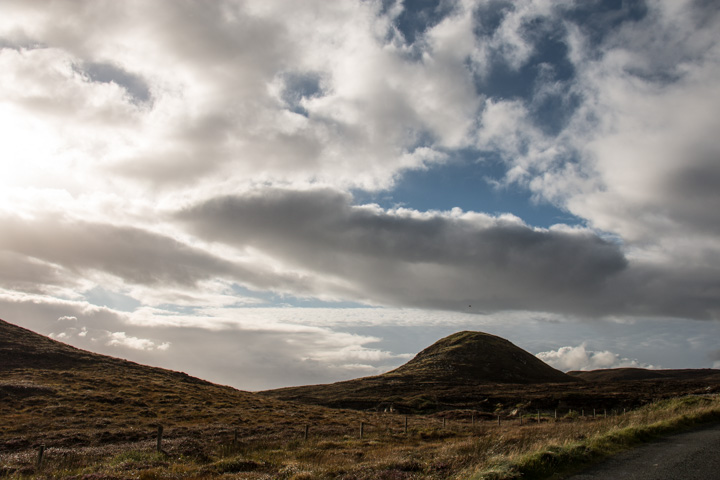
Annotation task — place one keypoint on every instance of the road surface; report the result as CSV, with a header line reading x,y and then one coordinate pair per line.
x,y
685,456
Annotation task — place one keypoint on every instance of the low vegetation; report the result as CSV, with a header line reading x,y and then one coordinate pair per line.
x,y
459,450
65,413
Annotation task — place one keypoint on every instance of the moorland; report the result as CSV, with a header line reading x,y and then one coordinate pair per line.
x,y
470,406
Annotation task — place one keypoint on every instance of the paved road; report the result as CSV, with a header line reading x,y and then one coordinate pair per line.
x,y
686,456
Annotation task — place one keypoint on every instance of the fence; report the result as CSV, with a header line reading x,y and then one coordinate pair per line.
x,y
394,424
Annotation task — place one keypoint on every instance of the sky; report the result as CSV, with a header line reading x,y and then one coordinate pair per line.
x,y
266,193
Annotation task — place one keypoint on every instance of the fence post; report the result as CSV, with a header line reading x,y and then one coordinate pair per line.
x,y
305,436
444,423
159,438
556,414
362,429
498,420
406,421
538,416
41,452
473,420
606,413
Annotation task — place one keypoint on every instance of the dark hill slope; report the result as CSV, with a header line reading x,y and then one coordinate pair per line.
x,y
478,358
25,350
466,369
60,396
635,374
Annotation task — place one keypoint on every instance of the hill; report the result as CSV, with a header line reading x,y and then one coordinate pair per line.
x,y
482,372
635,374
477,358
463,370
55,394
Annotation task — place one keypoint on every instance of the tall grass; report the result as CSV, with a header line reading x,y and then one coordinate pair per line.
x,y
489,451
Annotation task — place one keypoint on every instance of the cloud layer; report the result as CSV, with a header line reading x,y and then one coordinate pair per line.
x,y
172,163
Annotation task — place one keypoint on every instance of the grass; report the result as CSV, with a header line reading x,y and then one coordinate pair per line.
x,y
569,450
548,449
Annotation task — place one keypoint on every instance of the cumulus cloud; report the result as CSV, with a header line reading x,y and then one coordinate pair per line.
x,y
224,83
121,339
635,156
580,358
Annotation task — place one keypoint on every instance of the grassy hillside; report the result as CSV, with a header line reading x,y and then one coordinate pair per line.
x,y
632,374
54,394
477,358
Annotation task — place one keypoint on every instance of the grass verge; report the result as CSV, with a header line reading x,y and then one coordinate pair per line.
x,y
558,460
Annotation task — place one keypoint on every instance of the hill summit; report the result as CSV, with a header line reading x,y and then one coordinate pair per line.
x,y
477,357
463,370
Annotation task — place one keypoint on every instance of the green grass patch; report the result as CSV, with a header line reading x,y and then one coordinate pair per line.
x,y
649,423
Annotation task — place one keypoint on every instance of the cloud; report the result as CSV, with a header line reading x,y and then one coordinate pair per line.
x,y
404,257
260,348
121,339
580,358
82,252
254,350
175,163
145,96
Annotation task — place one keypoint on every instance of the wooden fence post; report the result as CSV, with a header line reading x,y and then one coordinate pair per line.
x,y
444,423
556,414
41,452
538,416
305,437
498,420
159,438
362,429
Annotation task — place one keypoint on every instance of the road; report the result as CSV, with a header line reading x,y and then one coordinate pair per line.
x,y
686,456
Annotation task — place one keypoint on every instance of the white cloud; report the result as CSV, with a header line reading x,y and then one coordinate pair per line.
x,y
121,339
580,358
211,96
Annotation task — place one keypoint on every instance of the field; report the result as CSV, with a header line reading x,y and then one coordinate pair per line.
x,y
335,450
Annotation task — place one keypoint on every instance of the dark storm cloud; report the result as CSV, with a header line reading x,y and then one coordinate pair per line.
x,y
130,253
23,273
53,247
692,194
435,260
674,291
